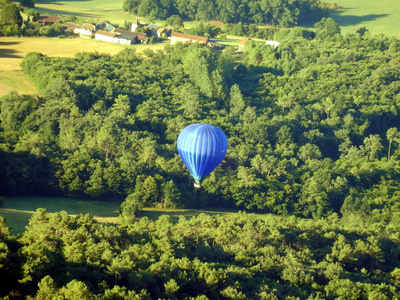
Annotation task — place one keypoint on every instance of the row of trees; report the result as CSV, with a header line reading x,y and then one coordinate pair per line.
x,y
312,125
238,257
272,12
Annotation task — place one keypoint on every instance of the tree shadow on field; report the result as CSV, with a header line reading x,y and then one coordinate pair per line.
x,y
46,11
9,53
3,43
56,2
347,20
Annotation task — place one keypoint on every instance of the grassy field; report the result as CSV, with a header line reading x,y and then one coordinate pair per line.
x,y
13,50
18,210
378,16
96,10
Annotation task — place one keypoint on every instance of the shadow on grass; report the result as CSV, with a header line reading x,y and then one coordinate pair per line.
x,y
56,2
9,53
16,220
7,43
60,12
347,20
154,213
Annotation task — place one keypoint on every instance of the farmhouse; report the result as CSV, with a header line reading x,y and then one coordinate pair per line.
x,y
164,32
46,20
153,28
87,30
183,37
133,37
105,26
105,36
71,26
242,43
161,32
140,36
137,24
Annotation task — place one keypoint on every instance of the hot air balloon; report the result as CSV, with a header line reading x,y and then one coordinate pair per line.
x,y
202,147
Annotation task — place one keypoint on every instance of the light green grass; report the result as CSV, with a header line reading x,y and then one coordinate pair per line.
x,y
18,210
97,10
378,16
154,213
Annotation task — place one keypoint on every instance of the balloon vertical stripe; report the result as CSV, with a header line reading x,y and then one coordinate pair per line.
x,y
202,148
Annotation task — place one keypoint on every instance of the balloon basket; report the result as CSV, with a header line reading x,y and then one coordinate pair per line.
x,y
197,185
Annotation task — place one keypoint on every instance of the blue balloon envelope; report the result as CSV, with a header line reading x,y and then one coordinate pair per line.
x,y
202,147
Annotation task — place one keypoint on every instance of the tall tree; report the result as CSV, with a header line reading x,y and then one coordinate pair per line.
x,y
392,134
10,15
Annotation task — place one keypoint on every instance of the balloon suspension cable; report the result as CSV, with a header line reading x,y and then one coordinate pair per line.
x,y
197,185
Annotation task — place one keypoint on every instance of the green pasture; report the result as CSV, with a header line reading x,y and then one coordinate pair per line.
x,y
96,10
378,16
18,210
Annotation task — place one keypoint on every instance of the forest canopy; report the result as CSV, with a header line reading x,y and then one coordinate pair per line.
x,y
267,12
204,257
312,125
313,134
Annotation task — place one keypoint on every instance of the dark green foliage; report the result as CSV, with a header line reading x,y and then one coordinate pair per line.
x,y
282,13
241,256
28,3
10,19
312,126
326,28
204,30
313,131
175,21
10,15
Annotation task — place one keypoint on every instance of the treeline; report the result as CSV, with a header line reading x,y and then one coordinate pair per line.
x,y
239,257
312,125
266,12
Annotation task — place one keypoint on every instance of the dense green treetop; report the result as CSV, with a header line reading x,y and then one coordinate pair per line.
x,y
271,12
313,132
204,257
10,15
311,125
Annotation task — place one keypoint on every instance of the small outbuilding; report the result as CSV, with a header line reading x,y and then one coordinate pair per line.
x,y
183,37
242,44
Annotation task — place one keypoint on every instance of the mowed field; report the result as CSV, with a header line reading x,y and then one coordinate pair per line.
x,y
18,210
94,10
378,16
14,49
